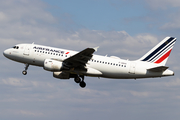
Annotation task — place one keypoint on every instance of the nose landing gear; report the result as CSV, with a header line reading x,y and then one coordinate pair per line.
x,y
24,72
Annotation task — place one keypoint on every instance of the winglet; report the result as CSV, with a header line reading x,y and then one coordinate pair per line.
x,y
96,48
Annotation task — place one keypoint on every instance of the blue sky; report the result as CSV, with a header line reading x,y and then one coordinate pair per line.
x,y
123,28
112,15
101,14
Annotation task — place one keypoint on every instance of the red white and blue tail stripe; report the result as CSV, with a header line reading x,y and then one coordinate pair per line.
x,y
160,53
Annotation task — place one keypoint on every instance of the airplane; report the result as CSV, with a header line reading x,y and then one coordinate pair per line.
x,y
66,64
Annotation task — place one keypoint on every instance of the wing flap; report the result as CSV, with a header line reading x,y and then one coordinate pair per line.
x,y
158,69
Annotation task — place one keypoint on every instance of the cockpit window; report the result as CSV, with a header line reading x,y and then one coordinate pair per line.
x,y
16,47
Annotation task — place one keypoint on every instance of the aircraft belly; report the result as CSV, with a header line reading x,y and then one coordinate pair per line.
x,y
92,72
112,71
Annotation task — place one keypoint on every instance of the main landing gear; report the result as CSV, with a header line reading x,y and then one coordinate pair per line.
x,y
24,72
78,78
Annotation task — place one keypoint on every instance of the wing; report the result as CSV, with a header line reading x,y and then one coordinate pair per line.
x,y
80,59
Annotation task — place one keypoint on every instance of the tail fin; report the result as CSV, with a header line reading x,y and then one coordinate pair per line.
x,y
160,53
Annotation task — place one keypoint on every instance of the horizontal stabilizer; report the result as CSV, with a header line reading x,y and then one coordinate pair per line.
x,y
158,69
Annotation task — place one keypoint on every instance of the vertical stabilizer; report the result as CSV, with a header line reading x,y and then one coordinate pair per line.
x,y
160,53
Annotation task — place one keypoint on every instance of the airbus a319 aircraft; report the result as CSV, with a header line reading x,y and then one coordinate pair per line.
x,y
66,64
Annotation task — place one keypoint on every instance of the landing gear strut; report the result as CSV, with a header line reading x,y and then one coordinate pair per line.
x,y
78,78
82,83
24,72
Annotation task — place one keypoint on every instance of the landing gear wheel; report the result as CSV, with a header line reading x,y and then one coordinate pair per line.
x,y
77,79
24,72
82,84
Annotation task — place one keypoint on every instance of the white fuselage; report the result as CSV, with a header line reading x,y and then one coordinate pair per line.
x,y
99,66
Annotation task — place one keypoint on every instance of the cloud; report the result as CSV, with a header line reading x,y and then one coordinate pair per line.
x,y
173,23
26,113
29,113
139,94
108,40
27,11
3,17
28,21
20,20
163,4
14,82
165,14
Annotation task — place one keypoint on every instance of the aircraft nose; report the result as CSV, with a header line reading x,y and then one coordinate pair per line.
x,y
6,53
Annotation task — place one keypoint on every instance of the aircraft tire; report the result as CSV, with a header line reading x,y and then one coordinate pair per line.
x,y
77,79
82,84
24,72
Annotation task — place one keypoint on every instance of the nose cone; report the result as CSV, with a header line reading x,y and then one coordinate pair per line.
x,y
6,53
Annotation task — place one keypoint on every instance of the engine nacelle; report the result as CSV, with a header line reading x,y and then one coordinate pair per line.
x,y
61,75
52,65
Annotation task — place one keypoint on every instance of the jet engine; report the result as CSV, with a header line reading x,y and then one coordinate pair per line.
x,y
52,65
